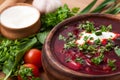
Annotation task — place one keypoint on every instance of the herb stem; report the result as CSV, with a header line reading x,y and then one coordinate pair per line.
x,y
87,9
102,5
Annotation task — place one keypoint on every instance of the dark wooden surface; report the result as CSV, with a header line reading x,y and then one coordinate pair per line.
x,y
71,3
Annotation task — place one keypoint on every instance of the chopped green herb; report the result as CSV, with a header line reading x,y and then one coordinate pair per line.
x,y
81,34
85,46
103,28
98,60
91,38
87,26
70,34
102,49
98,33
70,41
86,38
80,47
111,63
80,60
25,72
12,53
106,28
109,27
91,49
117,50
97,42
109,46
61,37
70,44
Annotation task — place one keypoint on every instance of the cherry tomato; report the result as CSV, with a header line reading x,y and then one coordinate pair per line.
x,y
34,68
35,71
104,42
33,56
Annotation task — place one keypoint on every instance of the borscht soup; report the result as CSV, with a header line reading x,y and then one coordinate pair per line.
x,y
87,47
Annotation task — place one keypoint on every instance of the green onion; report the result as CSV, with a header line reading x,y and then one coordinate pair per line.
x,y
114,9
102,5
87,9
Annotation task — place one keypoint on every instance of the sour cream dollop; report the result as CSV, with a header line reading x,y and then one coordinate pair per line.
x,y
104,35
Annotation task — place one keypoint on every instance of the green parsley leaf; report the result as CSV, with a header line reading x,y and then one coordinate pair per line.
x,y
14,54
117,50
98,33
97,42
61,37
42,36
80,60
75,9
25,72
70,44
111,63
109,27
97,60
106,28
87,26
48,21
103,28
86,38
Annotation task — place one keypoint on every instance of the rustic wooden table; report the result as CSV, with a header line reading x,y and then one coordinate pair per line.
x,y
71,3
76,3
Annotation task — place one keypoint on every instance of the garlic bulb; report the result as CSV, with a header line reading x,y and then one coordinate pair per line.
x,y
46,6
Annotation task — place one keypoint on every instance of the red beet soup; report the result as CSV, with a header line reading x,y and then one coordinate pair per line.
x,y
88,47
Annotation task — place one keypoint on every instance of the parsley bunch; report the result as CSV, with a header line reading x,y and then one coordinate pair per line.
x,y
51,19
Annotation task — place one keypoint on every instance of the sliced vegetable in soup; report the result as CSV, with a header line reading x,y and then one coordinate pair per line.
x,y
88,48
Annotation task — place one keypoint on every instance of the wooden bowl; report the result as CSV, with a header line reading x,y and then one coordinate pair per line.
x,y
17,33
57,71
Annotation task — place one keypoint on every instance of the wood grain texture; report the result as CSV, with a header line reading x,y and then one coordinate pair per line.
x,y
79,3
1,1
76,3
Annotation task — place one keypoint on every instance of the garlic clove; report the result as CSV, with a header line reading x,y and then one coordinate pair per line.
x,y
46,6
40,5
53,5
